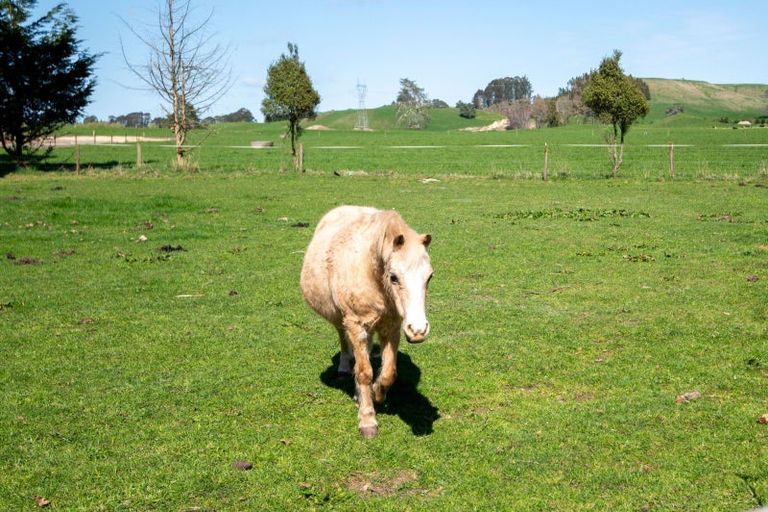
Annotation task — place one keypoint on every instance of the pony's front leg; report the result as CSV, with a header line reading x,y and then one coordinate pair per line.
x,y
345,356
390,341
358,337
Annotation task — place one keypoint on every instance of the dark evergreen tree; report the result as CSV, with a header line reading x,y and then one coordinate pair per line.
x,y
45,78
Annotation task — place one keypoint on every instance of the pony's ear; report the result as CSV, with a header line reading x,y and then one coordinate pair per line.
x,y
398,242
426,240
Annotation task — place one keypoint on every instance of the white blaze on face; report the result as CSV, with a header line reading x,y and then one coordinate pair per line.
x,y
409,274
414,284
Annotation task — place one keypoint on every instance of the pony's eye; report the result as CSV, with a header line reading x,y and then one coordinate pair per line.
x,y
394,279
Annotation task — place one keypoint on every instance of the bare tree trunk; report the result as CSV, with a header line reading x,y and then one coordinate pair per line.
x,y
293,127
184,67
300,159
18,147
617,155
176,100
615,149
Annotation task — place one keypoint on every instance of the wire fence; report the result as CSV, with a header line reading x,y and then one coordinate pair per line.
x,y
556,161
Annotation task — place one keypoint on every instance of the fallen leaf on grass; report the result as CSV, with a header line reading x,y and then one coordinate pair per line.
x,y
752,279
212,210
233,293
242,465
688,397
86,321
142,238
763,420
42,502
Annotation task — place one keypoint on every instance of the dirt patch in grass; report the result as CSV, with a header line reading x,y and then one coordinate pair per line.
x,y
64,253
26,260
392,483
172,248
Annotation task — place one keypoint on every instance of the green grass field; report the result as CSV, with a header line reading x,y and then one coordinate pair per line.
x,y
705,149
576,151
566,318
703,102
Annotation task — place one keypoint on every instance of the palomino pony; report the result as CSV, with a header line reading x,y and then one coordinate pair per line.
x,y
366,271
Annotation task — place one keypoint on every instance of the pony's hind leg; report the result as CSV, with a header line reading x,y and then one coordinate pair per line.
x,y
345,356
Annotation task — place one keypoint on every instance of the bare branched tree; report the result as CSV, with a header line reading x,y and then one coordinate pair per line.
x,y
518,112
185,67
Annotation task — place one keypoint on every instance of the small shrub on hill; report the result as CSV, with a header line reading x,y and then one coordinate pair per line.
x,y
466,110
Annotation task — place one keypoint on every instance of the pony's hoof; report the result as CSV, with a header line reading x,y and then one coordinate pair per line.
x,y
369,432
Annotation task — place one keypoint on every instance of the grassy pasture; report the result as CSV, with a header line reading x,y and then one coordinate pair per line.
x,y
566,317
701,152
704,102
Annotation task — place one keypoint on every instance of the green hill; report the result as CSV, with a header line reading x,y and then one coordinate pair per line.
x,y
703,102
384,118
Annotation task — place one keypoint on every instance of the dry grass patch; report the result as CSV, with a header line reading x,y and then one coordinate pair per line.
x,y
388,483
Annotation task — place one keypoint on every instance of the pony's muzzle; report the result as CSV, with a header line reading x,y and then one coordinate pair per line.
x,y
416,334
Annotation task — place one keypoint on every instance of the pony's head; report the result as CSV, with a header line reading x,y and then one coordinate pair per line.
x,y
406,276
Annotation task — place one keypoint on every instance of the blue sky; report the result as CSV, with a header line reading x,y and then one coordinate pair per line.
x,y
450,48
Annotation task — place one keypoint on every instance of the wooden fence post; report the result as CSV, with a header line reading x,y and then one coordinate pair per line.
x,y
77,159
139,161
671,160
546,161
94,137
300,159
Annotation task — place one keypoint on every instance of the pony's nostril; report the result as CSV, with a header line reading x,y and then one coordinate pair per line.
x,y
410,328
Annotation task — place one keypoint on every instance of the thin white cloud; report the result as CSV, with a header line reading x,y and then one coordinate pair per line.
x,y
253,82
